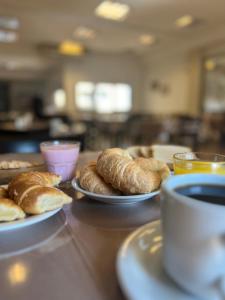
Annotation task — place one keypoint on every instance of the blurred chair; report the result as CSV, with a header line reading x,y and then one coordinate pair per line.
x,y
187,131
143,129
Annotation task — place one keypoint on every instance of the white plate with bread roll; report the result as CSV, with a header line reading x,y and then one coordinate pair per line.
x,y
113,199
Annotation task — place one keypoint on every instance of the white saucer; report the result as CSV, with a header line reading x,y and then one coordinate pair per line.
x,y
140,270
113,199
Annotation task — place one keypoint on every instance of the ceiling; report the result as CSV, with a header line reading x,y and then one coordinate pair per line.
x,y
48,22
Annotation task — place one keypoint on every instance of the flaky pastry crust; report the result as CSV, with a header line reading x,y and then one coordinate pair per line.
x,y
35,193
118,168
91,181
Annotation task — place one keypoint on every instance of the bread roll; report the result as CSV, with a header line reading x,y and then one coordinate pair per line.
x,y
118,168
35,194
91,181
165,152
9,211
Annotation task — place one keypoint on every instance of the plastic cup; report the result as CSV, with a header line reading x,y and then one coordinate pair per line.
x,y
61,157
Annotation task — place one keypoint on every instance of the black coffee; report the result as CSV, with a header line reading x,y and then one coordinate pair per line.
x,y
214,194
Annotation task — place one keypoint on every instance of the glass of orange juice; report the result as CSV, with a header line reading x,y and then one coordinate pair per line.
x,y
198,162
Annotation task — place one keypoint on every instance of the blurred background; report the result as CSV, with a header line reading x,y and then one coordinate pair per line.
x,y
112,73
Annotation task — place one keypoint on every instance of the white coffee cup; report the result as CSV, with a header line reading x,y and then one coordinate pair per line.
x,y
194,237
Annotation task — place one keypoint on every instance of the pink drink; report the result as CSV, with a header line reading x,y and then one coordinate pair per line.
x,y
61,158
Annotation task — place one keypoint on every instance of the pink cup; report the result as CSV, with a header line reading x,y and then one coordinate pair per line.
x,y
61,157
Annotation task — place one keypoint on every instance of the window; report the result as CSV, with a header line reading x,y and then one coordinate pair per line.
x,y
84,95
59,97
103,97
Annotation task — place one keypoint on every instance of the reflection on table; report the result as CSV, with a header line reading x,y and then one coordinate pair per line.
x,y
20,241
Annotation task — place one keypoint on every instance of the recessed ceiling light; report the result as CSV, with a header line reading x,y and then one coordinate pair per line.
x,y
210,64
184,21
84,32
112,10
8,36
9,23
147,39
71,48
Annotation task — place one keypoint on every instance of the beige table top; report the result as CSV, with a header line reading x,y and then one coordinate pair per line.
x,y
72,254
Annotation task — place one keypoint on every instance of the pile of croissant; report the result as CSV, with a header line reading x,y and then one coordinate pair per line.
x,y
31,193
116,172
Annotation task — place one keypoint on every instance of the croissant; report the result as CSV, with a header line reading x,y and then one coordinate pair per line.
x,y
140,151
118,168
41,178
9,211
35,194
91,181
154,165
3,192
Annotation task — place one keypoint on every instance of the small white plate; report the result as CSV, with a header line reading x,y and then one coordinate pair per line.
x,y
113,199
27,221
140,270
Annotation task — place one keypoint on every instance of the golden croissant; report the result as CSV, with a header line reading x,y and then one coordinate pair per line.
x,y
91,181
118,168
35,194
3,192
154,165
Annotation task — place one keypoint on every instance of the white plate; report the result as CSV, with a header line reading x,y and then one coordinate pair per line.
x,y
140,270
113,199
27,221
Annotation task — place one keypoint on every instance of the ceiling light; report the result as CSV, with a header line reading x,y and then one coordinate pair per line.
x,y
71,48
9,23
184,21
112,10
8,36
84,32
210,64
147,39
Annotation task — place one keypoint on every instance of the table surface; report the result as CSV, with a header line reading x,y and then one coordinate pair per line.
x,y
71,255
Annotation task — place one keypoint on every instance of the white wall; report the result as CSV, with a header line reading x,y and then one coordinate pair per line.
x,y
180,75
125,68
178,85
